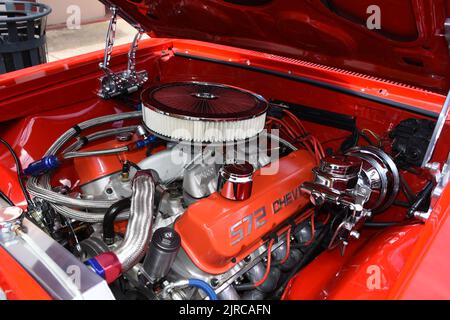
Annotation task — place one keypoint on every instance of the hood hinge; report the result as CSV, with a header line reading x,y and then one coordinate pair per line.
x,y
123,82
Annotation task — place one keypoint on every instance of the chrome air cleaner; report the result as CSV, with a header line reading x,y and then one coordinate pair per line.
x,y
203,112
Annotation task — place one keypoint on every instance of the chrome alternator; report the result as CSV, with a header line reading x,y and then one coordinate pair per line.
x,y
364,180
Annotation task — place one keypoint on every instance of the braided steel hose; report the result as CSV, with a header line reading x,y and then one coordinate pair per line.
x,y
40,186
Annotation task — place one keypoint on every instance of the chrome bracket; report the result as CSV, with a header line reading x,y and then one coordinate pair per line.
x,y
348,229
423,215
447,32
437,132
442,179
441,176
123,82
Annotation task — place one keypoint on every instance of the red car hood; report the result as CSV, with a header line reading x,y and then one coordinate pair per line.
x,y
410,47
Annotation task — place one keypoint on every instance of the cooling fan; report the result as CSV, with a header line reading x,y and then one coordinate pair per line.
x,y
203,112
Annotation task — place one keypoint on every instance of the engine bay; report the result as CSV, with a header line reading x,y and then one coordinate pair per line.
x,y
202,187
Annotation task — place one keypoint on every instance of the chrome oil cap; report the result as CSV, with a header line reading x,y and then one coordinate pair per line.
x,y
236,181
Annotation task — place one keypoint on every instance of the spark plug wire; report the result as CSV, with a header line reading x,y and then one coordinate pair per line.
x,y
251,286
269,258
288,246
295,130
18,172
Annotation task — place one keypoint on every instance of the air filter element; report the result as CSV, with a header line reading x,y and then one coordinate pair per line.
x,y
203,112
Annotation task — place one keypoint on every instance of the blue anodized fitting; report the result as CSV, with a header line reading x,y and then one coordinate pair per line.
x,y
145,142
42,166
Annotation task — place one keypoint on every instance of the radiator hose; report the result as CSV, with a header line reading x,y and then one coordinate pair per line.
x,y
200,284
110,265
110,217
196,283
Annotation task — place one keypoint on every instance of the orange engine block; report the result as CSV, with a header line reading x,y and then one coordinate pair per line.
x,y
217,233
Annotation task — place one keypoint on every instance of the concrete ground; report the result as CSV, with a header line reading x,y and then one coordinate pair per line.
x,y
64,43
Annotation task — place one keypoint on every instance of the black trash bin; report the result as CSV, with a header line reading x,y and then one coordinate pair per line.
x,y
22,34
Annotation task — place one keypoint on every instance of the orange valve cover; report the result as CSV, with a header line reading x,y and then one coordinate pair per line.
x,y
217,233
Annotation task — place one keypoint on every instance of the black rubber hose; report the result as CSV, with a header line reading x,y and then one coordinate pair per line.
x,y
407,189
110,217
308,255
402,204
19,172
6,198
245,287
382,224
132,164
421,197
